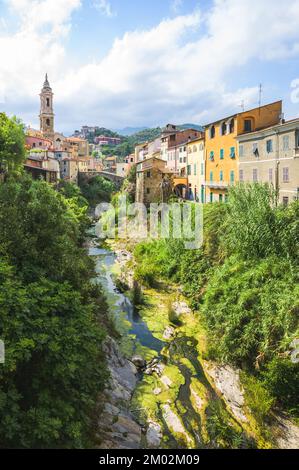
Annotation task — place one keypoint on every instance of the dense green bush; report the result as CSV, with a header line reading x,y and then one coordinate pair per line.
x,y
251,310
97,190
245,281
282,380
51,317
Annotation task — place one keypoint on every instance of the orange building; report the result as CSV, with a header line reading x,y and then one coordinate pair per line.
x,y
221,149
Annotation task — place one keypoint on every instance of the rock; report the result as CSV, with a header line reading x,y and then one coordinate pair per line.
x,y
199,402
153,435
139,362
127,425
227,382
287,434
156,368
174,424
169,333
181,308
166,381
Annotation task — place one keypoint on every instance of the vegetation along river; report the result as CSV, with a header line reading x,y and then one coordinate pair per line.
x,y
173,397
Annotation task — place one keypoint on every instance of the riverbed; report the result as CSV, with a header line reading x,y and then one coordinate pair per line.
x,y
177,405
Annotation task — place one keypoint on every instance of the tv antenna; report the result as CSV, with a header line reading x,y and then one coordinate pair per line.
x,y
260,94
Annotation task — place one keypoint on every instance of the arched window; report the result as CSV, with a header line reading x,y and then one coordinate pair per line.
x,y
48,102
194,148
232,126
48,122
223,128
212,132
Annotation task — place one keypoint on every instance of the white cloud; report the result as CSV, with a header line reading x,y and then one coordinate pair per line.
x,y
104,7
148,76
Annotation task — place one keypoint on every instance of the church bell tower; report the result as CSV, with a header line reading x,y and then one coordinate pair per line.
x,y
46,110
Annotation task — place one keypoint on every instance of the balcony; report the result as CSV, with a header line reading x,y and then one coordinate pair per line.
x,y
216,184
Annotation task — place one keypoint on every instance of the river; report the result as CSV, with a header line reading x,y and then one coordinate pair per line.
x,y
182,401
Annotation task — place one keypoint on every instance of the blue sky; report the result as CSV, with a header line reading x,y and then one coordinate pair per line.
x,y
118,63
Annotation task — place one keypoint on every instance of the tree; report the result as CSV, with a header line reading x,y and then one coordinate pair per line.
x,y
12,144
51,317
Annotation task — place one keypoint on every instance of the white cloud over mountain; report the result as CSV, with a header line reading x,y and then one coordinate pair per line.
x,y
180,70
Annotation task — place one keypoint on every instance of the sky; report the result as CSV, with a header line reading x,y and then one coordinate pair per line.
x,y
119,63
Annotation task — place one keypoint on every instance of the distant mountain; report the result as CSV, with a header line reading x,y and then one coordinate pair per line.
x,y
191,126
129,130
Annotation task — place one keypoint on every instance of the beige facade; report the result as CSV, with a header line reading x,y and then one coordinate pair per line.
x,y
196,170
272,156
153,181
69,170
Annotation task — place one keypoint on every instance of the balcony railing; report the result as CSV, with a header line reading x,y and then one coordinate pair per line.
x,y
217,184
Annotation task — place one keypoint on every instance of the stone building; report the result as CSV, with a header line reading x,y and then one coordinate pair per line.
x,y
153,181
272,156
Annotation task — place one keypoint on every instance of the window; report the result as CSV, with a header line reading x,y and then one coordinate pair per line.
x,y
202,169
269,146
255,149
211,197
148,190
254,175
241,150
271,175
48,102
221,175
232,177
148,174
48,122
220,197
212,132
194,148
223,128
211,176
232,126
221,154
34,145
285,201
286,142
188,170
241,175
232,152
297,139
195,169
212,155
247,125
285,175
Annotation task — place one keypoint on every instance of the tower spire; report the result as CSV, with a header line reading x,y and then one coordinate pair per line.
x,y
46,84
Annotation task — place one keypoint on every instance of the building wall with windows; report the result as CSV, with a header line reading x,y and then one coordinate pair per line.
x,y
152,179
221,146
196,170
272,156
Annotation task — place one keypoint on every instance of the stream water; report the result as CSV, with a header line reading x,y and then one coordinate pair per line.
x,y
168,352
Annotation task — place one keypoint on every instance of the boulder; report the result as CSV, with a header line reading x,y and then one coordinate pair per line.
x,y
139,362
153,435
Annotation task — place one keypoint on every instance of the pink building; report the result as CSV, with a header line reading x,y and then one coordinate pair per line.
x,y
38,143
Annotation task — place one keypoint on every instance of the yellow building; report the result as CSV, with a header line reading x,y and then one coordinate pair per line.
x,y
196,169
221,149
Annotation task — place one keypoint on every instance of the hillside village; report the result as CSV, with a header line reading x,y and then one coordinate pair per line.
x,y
257,145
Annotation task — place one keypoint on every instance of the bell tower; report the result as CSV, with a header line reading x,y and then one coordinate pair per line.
x,y
46,110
